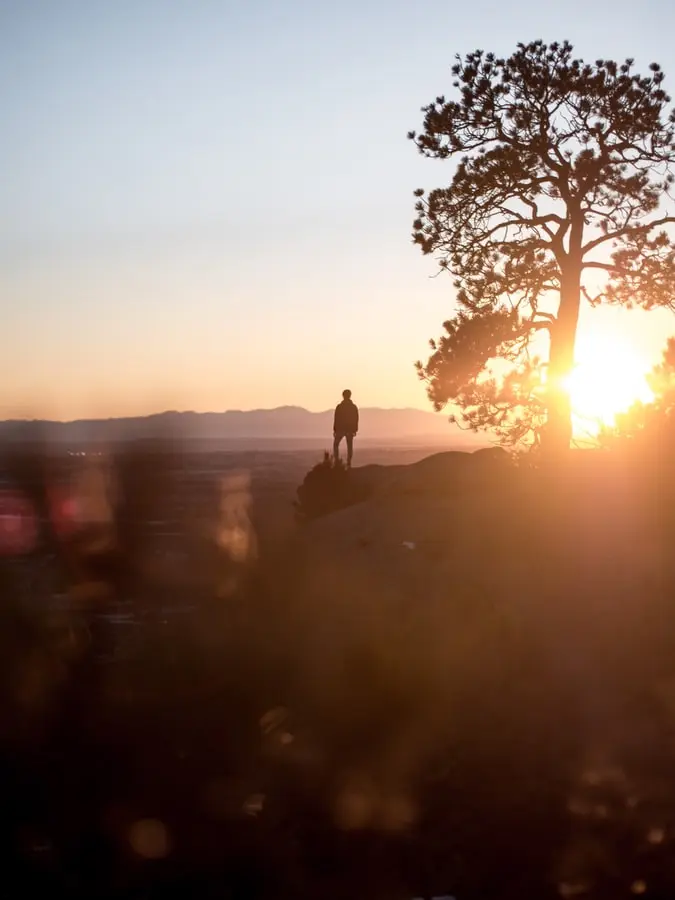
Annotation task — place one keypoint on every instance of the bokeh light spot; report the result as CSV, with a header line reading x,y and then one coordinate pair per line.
x,y
150,839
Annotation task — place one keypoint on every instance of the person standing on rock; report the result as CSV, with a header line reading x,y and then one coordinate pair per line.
x,y
345,425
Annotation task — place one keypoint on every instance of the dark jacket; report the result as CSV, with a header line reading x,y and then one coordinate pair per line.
x,y
346,419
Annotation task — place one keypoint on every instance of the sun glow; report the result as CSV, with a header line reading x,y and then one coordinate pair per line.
x,y
606,381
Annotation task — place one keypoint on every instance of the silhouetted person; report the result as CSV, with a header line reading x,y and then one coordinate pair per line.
x,y
345,425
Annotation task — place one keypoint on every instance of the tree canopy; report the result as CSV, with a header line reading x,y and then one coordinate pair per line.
x,y
559,195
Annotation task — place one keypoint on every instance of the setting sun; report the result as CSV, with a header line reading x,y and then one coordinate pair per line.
x,y
606,381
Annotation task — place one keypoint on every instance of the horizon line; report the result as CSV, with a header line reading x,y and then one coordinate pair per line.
x,y
187,412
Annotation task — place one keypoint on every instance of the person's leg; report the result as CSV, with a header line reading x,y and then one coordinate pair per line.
x,y
336,447
350,448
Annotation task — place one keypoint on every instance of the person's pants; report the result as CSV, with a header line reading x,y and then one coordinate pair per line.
x,y
350,446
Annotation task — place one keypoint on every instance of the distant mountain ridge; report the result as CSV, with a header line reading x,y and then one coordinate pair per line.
x,y
282,423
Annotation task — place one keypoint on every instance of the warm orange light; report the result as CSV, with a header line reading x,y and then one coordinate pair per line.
x,y
607,380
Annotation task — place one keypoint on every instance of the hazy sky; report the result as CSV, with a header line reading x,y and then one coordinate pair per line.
x,y
207,204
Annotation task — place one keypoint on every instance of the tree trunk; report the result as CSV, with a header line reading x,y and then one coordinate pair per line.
x,y
558,432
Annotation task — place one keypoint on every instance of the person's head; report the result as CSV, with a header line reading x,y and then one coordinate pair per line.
x,y
346,395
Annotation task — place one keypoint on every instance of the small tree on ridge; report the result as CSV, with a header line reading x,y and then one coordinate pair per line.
x,y
563,169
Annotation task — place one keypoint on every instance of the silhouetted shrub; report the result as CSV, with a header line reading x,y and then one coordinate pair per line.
x,y
327,487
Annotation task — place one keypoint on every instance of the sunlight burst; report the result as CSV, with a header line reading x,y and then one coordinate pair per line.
x,y
605,382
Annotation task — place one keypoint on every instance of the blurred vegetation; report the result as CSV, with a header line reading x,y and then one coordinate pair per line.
x,y
648,427
327,487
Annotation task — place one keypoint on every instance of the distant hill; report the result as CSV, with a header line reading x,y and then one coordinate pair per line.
x,y
287,423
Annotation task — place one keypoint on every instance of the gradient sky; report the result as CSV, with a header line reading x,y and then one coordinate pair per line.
x,y
207,204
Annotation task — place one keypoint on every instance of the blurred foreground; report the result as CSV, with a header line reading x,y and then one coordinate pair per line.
x,y
461,684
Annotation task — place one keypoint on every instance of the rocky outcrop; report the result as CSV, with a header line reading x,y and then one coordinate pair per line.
x,y
439,472
399,612
429,541
469,604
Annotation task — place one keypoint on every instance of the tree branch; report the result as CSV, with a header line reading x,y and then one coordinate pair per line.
x,y
593,264
633,231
